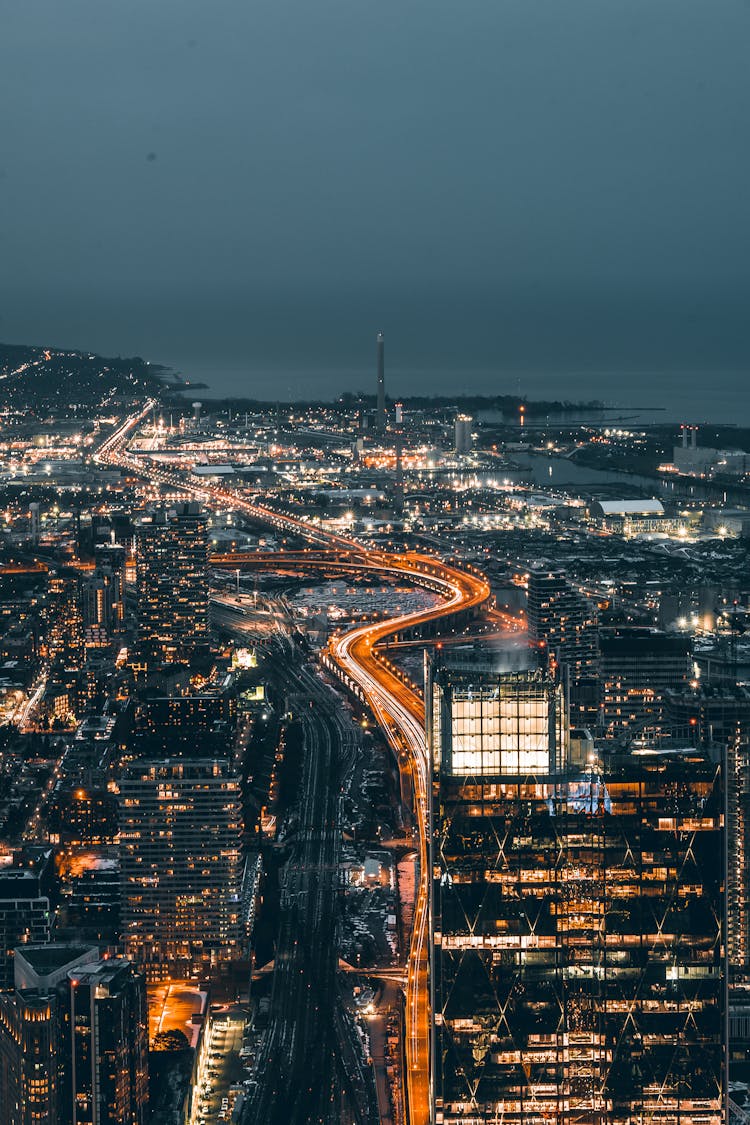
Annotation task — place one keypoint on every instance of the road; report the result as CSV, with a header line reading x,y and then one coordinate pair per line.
x,y
220,1064
395,703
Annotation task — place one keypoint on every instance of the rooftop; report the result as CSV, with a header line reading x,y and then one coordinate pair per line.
x,y
650,507
45,959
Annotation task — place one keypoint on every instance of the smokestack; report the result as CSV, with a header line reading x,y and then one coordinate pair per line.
x,y
381,382
683,431
399,498
694,437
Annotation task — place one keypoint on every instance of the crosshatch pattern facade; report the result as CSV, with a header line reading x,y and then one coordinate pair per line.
x,y
577,949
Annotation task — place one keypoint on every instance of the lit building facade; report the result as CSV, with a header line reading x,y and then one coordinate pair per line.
x,y
108,1042
578,968
637,667
65,632
24,917
180,824
562,622
172,580
73,1040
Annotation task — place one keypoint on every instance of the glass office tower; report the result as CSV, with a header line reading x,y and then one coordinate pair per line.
x,y
577,918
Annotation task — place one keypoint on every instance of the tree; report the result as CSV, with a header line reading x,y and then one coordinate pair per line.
x,y
173,1040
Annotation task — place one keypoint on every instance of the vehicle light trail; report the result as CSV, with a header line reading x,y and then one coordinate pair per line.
x,y
397,707
400,711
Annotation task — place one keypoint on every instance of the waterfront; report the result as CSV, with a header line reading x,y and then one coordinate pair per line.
x,y
560,472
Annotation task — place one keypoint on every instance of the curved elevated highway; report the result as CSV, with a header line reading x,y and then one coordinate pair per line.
x,y
396,704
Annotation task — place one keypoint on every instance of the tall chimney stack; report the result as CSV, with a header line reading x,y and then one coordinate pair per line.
x,y
381,417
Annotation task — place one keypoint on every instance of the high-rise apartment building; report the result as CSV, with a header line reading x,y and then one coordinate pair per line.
x,y
73,1040
103,593
708,714
24,916
577,938
180,823
108,1029
65,634
172,577
562,624
637,668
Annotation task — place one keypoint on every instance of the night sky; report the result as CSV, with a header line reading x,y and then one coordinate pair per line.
x,y
251,190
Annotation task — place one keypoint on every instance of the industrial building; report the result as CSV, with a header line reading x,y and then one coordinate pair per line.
x,y
636,517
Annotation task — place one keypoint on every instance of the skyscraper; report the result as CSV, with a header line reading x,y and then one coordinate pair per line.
x,y
180,822
577,919
24,916
65,638
563,623
73,1040
34,1063
108,1030
172,573
381,413
637,668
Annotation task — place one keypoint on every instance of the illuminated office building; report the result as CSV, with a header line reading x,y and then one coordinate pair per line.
x,y
637,667
562,623
172,578
73,1040
738,857
108,1043
577,937
717,715
180,823
65,634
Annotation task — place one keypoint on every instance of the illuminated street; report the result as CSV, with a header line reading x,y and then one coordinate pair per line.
x,y
400,712
375,564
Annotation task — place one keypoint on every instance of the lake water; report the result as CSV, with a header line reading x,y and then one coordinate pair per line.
x,y
559,472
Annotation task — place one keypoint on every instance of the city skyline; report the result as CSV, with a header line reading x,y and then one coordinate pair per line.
x,y
375,563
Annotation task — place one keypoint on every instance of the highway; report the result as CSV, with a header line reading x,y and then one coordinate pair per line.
x,y
400,711
397,706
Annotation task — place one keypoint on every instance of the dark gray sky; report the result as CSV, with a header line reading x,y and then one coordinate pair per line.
x,y
164,156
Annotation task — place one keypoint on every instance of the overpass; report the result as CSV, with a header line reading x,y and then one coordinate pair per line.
x,y
358,661
418,570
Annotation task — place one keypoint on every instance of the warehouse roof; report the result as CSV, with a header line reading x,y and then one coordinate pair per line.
x,y
649,507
